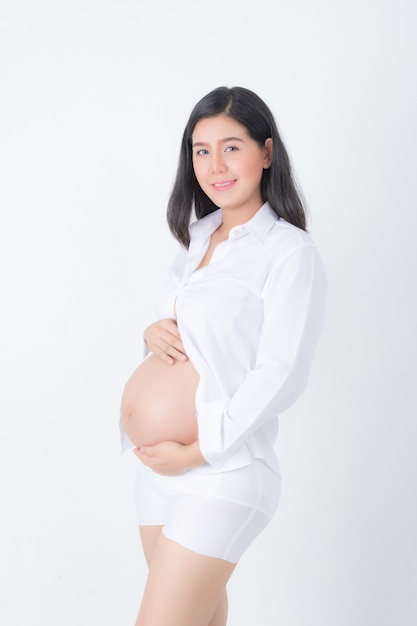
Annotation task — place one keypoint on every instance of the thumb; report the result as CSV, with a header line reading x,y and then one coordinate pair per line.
x,y
146,450
139,451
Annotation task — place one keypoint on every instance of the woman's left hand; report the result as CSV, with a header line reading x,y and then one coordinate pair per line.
x,y
170,458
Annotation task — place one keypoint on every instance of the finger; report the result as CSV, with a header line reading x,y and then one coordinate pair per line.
x,y
145,460
177,355
167,347
145,451
171,326
164,356
167,343
167,329
163,327
171,340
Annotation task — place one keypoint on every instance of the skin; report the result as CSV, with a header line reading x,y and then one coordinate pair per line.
x,y
193,586
224,152
228,165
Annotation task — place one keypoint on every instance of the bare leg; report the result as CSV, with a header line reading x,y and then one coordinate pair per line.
x,y
149,536
220,614
183,588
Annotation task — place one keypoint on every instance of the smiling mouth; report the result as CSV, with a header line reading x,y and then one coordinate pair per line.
x,y
222,186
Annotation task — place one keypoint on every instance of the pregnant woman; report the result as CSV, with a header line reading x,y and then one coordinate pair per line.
x,y
236,327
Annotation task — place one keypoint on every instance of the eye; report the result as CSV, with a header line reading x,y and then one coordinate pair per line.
x,y
231,148
202,152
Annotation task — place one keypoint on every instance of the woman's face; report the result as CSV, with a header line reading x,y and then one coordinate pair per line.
x,y
228,163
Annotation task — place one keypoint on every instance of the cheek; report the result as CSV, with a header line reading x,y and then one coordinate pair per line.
x,y
254,171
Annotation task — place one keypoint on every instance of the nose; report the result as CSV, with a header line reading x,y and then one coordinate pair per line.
x,y
218,164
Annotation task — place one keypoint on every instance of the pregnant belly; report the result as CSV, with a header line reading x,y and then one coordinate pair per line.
x,y
158,402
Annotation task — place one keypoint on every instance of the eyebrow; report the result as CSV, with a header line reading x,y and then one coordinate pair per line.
x,y
225,140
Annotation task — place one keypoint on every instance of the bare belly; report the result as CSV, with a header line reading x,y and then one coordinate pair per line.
x,y
158,402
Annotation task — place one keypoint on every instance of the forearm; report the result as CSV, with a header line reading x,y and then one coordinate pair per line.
x,y
193,455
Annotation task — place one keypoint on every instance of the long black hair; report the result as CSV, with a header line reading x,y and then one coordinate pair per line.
x,y
278,186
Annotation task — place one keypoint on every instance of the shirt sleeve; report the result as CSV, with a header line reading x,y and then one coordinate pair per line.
x,y
293,299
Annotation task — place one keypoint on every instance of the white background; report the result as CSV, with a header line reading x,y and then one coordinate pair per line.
x,y
94,98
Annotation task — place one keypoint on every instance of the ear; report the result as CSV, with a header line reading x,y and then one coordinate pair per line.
x,y
268,153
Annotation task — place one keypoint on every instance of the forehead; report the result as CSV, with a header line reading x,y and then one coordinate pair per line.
x,y
217,128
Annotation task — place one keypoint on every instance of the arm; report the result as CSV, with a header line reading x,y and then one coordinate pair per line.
x,y
293,314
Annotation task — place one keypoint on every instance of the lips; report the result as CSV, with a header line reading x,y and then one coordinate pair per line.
x,y
223,185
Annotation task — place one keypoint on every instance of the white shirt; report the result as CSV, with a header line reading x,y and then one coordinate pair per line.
x,y
249,322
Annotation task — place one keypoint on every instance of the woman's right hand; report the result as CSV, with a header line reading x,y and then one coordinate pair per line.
x,y
164,340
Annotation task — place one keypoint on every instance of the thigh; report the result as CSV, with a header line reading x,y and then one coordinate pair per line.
x,y
221,514
191,585
215,514
149,536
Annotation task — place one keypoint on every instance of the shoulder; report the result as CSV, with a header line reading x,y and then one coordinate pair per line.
x,y
285,238
275,233
293,253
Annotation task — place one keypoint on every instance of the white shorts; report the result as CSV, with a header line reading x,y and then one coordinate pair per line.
x,y
216,514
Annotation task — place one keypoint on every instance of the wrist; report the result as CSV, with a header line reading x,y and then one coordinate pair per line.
x,y
195,458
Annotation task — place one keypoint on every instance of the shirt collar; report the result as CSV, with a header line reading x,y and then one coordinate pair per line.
x,y
258,226
205,226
